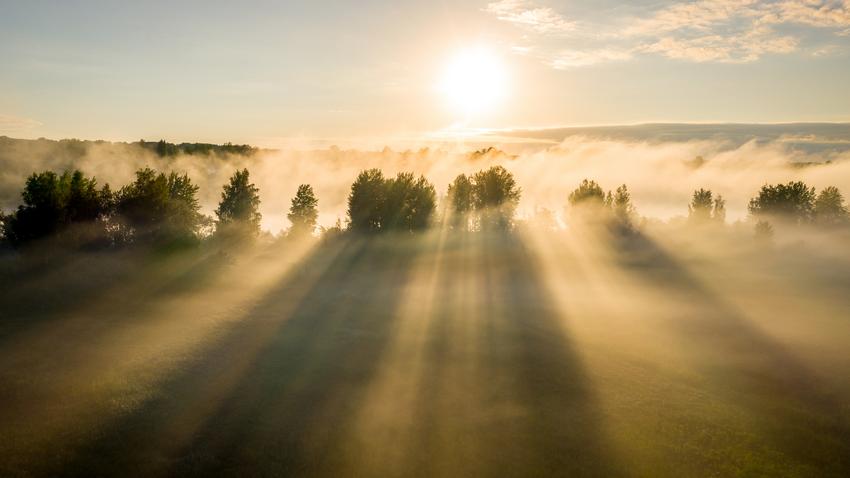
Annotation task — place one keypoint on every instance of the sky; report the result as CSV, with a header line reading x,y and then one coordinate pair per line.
x,y
267,73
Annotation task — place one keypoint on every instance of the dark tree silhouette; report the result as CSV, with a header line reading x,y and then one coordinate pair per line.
x,y
53,203
793,202
461,201
705,207
410,203
158,207
829,208
587,193
622,207
366,201
304,211
496,197
238,210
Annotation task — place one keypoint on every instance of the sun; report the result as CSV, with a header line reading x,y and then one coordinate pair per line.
x,y
473,82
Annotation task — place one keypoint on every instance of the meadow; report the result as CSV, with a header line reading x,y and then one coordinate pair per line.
x,y
441,354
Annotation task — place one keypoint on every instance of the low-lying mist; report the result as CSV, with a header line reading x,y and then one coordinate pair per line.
x,y
661,175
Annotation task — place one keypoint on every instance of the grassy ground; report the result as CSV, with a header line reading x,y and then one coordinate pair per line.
x,y
441,355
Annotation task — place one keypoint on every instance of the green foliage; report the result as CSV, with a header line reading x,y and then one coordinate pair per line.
x,y
829,208
158,207
410,203
793,201
238,210
379,204
495,196
366,201
461,201
53,203
304,211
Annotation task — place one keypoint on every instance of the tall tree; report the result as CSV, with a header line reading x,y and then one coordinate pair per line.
x,y
366,201
829,208
700,208
238,211
461,201
622,207
304,211
705,207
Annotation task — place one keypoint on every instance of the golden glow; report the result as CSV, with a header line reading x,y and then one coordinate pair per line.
x,y
474,81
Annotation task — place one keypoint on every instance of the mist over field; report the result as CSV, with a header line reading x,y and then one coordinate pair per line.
x,y
563,345
732,160
478,238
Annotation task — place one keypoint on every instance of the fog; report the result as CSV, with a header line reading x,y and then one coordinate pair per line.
x,y
661,174
674,349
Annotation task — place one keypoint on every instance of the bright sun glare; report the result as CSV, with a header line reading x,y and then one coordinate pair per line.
x,y
473,81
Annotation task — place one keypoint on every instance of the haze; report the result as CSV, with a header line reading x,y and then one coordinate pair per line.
x,y
393,239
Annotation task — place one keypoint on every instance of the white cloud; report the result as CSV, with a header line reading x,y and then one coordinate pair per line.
x,y
525,14
730,31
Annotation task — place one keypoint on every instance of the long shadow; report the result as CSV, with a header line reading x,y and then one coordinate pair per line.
x,y
522,405
277,396
799,415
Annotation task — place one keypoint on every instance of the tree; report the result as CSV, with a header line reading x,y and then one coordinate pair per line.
x,y
496,197
622,207
366,201
829,208
700,208
52,204
793,201
409,204
719,214
764,232
461,200
158,208
705,207
238,211
587,193
304,210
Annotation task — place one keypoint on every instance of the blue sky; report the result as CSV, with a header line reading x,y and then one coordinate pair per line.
x,y
264,72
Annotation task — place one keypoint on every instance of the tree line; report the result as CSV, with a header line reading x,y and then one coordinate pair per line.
x,y
163,208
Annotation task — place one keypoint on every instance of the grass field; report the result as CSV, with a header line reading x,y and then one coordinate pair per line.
x,y
531,354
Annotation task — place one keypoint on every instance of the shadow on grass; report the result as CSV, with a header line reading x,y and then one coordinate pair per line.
x,y
796,413
275,395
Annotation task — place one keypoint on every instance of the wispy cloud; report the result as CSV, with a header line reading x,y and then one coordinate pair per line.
x,y
729,31
525,14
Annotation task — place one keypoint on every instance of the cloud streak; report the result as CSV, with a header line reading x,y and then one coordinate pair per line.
x,y
727,31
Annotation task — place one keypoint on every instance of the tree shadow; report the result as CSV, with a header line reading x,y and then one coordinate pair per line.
x,y
797,413
277,395
503,393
